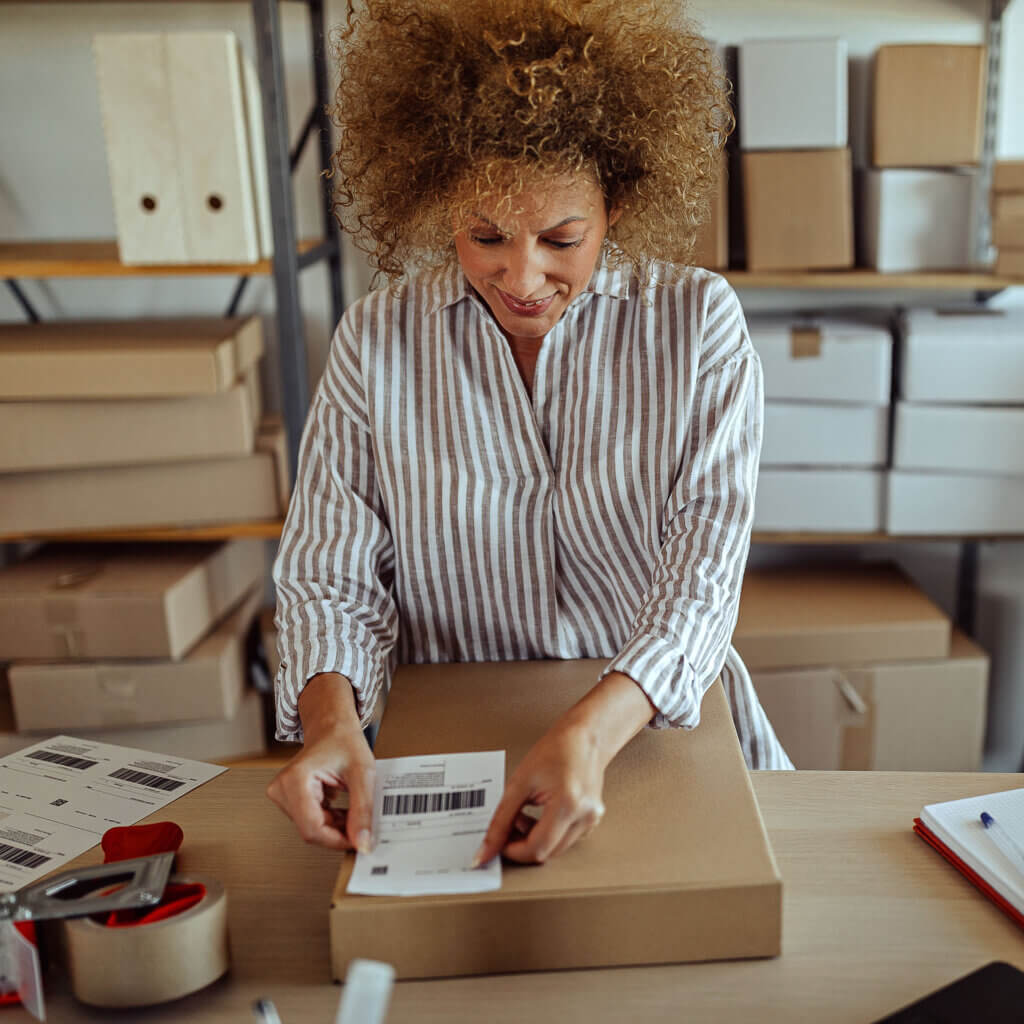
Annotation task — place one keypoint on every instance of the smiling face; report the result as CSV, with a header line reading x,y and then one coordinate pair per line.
x,y
530,265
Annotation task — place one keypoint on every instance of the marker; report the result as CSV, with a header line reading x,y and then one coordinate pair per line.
x,y
266,1012
1009,846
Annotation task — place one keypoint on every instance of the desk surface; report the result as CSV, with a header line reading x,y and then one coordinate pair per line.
x,y
872,919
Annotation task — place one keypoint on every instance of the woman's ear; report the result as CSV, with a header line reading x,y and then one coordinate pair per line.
x,y
614,213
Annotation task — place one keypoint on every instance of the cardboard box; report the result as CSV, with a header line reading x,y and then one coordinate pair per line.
x,y
926,716
847,614
824,360
1008,220
917,220
207,683
799,209
1010,263
171,494
122,601
127,358
711,249
705,886
809,434
928,105
1008,176
793,94
961,439
967,356
820,500
954,504
71,434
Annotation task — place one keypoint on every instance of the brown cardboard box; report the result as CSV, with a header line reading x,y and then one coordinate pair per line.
x,y
926,716
224,490
90,432
1008,220
799,209
928,105
1008,176
1010,263
207,683
126,358
127,601
855,614
711,249
679,870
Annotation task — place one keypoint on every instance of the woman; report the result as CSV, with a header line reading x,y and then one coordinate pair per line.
x,y
543,443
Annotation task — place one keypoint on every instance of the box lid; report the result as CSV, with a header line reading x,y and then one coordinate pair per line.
x,y
1008,176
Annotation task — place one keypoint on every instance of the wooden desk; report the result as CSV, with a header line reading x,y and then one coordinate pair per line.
x,y
873,919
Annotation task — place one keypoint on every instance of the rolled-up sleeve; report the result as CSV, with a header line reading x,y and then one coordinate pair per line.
x,y
680,636
335,564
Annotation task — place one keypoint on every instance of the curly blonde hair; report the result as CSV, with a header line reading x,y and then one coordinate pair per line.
x,y
442,102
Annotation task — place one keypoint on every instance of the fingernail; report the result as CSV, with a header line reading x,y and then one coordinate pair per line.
x,y
364,841
478,859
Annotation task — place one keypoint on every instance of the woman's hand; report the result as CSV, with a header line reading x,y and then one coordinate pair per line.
x,y
335,757
563,775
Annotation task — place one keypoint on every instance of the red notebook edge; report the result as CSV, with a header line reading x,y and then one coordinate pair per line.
x,y
968,872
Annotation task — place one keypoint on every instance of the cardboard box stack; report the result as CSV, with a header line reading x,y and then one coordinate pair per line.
x,y
140,645
134,424
918,196
826,432
797,173
857,669
1008,217
958,466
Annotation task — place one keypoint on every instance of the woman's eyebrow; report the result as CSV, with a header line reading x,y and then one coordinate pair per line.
x,y
561,224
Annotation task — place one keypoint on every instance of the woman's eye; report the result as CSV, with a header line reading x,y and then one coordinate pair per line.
x,y
486,239
558,244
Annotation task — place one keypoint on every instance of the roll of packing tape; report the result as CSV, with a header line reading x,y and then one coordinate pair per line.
x,y
152,962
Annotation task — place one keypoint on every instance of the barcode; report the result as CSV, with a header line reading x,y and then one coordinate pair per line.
x,y
16,855
380,869
63,759
145,779
427,803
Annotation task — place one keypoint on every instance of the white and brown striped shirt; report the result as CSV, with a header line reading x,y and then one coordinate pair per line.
x,y
442,514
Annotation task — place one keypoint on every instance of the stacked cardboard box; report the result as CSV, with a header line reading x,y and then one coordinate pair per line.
x,y
139,645
958,467
1008,217
917,198
857,669
826,433
133,424
797,174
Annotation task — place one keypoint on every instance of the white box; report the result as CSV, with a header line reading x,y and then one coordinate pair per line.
x,y
967,356
948,504
822,500
916,219
809,434
793,94
967,439
827,360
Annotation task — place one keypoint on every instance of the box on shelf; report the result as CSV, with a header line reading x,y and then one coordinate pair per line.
x,y
1008,220
67,434
221,490
924,715
127,358
916,220
928,105
954,504
206,683
1010,263
799,209
812,434
959,439
828,360
683,798
846,614
819,500
122,601
711,249
793,94
966,356
1008,176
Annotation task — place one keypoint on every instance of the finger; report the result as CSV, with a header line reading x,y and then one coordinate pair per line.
x,y
523,825
579,830
506,813
328,833
301,798
359,780
543,838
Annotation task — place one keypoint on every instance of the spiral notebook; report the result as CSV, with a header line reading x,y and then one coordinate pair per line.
x,y
955,830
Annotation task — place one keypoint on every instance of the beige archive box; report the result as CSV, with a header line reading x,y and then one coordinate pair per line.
x,y
1008,220
122,601
711,249
1010,263
1008,176
924,715
207,683
679,870
171,494
847,614
127,358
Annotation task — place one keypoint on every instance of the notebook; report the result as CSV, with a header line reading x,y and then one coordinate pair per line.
x,y
955,830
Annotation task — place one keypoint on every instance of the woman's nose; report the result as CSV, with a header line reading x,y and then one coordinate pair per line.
x,y
524,275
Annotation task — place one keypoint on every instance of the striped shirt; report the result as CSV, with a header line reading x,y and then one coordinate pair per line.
x,y
442,513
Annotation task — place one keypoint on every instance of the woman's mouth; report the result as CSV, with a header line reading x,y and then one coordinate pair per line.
x,y
535,307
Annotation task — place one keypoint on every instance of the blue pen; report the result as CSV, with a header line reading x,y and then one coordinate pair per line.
x,y
1009,846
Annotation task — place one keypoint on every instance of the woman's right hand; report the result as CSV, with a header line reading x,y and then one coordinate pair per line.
x,y
335,757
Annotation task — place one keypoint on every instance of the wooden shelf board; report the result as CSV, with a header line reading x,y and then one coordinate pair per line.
x,y
866,280
269,529
100,259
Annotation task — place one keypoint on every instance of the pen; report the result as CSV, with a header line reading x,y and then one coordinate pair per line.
x,y
1009,846
266,1012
